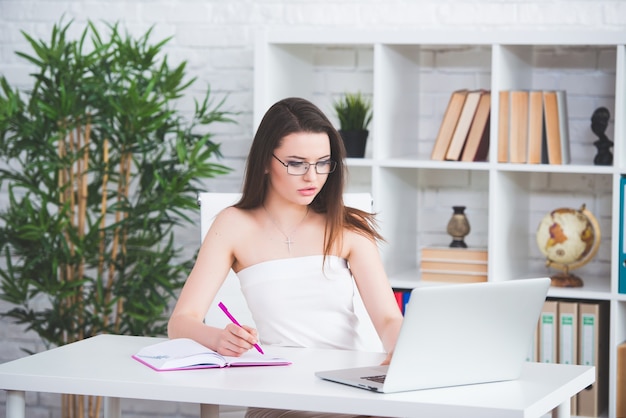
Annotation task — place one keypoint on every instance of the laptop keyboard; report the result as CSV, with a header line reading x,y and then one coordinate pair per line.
x,y
379,378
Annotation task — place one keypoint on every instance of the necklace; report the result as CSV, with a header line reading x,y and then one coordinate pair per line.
x,y
288,239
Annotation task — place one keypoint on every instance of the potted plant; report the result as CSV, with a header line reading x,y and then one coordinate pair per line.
x,y
100,168
354,112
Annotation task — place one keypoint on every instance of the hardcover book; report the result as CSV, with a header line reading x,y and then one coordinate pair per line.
x,y
553,129
535,127
477,144
448,125
459,137
518,124
503,126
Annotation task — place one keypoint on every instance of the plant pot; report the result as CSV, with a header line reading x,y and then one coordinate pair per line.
x,y
354,142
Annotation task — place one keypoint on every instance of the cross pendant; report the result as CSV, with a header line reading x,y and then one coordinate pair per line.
x,y
289,242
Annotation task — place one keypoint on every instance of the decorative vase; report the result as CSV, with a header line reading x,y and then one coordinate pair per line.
x,y
354,142
458,227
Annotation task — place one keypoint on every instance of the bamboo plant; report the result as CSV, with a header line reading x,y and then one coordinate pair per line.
x,y
99,170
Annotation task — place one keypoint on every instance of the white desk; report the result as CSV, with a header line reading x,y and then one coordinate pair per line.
x,y
102,366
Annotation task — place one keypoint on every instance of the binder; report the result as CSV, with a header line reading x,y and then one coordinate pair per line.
x,y
621,283
548,337
592,351
568,332
568,338
620,404
533,350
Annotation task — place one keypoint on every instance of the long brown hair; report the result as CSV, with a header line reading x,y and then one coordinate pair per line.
x,y
293,115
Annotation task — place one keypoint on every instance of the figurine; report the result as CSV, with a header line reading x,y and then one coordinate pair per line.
x,y
599,123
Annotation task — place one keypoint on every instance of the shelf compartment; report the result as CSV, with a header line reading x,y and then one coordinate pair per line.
x,y
573,68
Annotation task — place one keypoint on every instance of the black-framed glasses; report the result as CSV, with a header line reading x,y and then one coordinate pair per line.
x,y
300,168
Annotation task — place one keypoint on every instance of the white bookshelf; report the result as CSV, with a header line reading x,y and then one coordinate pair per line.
x,y
410,76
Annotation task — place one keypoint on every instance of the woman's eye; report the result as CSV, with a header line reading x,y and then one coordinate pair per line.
x,y
295,164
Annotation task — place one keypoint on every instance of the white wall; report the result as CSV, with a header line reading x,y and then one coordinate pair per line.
x,y
217,38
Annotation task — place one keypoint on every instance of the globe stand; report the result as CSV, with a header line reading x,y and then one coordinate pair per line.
x,y
566,279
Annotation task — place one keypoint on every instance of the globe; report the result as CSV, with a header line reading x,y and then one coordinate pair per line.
x,y
568,238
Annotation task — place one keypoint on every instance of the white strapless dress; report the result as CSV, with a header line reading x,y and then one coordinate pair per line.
x,y
297,302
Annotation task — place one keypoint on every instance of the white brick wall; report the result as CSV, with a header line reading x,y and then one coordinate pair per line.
x,y
217,37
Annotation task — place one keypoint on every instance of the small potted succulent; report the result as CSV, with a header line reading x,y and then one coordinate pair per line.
x,y
355,114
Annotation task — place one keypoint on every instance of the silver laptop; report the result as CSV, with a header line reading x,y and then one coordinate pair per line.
x,y
457,335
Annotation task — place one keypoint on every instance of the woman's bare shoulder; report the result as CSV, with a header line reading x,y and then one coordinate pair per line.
x,y
233,217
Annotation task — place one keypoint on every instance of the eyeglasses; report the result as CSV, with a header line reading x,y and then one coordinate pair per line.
x,y
300,168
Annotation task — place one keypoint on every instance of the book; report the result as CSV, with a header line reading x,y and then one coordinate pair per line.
x,y
518,126
553,130
455,149
503,126
548,350
454,254
620,404
448,124
477,144
535,127
187,354
452,277
561,101
454,266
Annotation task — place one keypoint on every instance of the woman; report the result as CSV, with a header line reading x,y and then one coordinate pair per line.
x,y
290,239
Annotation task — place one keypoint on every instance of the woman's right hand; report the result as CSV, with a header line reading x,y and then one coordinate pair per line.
x,y
234,340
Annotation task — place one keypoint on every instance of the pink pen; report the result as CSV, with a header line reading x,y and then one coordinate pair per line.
x,y
234,321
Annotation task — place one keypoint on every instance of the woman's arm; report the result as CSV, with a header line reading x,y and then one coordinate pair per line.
x,y
215,258
376,292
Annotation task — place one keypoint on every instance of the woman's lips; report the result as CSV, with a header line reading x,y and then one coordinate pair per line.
x,y
308,191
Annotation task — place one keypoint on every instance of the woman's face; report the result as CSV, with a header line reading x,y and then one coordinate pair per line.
x,y
297,148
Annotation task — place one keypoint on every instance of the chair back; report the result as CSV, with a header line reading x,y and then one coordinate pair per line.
x,y
230,292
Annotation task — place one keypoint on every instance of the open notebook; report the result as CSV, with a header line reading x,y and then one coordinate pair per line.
x,y
187,354
456,335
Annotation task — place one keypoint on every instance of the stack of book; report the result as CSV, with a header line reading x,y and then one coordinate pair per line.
x,y
576,332
533,127
464,131
453,265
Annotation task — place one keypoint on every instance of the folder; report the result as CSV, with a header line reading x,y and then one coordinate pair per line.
x,y
592,351
568,338
621,283
548,337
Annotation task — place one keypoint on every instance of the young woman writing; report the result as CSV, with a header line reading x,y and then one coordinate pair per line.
x,y
297,250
